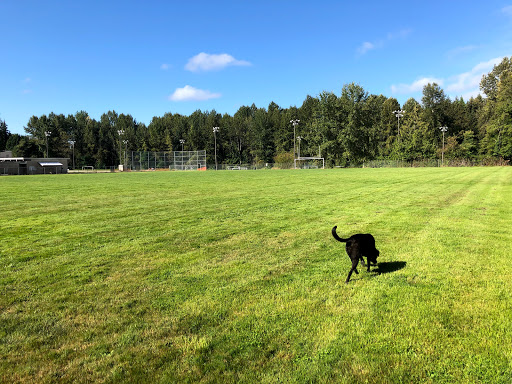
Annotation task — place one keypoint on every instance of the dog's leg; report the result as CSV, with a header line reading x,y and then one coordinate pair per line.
x,y
362,262
353,269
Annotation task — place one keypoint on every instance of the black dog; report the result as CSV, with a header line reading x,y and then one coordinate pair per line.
x,y
358,246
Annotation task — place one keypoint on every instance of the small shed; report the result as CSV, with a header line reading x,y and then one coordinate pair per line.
x,y
32,166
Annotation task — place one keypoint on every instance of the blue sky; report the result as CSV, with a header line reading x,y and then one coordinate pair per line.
x,y
146,58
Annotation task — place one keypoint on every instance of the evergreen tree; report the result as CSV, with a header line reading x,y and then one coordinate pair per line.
x,y
499,133
490,82
388,127
4,135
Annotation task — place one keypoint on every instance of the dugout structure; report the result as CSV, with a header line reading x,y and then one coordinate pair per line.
x,y
309,160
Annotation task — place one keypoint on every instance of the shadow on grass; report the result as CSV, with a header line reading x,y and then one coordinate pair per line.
x,y
389,266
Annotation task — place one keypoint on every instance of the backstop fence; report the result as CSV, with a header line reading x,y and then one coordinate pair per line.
x,y
178,160
196,160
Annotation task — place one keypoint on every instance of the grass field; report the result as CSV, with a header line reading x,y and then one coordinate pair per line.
x,y
235,277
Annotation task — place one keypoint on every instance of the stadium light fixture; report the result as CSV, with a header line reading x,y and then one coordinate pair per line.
x,y
47,134
443,129
125,142
294,122
72,144
399,113
215,130
182,142
120,132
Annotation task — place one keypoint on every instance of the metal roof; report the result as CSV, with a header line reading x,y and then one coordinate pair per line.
x,y
50,164
12,158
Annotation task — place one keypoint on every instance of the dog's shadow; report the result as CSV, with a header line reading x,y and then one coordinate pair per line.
x,y
389,266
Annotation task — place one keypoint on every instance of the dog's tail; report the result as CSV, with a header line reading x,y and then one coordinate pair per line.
x,y
335,235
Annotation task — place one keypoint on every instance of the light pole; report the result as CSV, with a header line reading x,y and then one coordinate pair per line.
x,y
72,143
125,142
294,122
215,130
47,134
120,133
399,114
443,129
182,142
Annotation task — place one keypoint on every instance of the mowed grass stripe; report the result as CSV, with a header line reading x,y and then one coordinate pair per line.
x,y
234,276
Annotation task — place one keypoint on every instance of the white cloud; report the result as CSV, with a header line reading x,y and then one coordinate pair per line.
x,y
164,67
461,50
402,34
416,86
507,10
368,46
27,91
487,66
188,93
469,82
365,47
207,62
466,84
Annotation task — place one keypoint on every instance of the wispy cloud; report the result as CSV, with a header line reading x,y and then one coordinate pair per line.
x,y
164,67
415,86
188,93
507,10
208,62
461,50
382,42
26,81
466,84
365,47
402,34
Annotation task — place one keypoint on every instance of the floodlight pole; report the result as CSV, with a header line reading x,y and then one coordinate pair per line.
x,y
215,130
47,134
182,142
72,143
125,142
443,129
120,133
294,122
399,114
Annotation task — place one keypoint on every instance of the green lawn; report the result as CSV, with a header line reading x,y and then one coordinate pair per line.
x,y
234,277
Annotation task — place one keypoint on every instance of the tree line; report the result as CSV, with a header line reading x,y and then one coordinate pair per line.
x,y
345,129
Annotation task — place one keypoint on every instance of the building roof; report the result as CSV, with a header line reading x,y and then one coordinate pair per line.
x,y
50,164
12,159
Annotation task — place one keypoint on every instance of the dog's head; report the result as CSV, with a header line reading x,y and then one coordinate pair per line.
x,y
373,258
